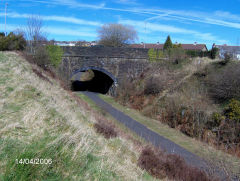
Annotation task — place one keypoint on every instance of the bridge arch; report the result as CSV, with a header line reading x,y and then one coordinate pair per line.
x,y
102,82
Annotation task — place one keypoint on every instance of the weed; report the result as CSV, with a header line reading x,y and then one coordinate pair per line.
x,y
9,89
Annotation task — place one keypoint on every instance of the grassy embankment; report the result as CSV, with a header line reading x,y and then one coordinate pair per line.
x,y
39,119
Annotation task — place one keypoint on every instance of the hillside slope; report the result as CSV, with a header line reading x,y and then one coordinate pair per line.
x,y
40,120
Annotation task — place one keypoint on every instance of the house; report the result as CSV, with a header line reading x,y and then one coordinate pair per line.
x,y
233,51
65,43
75,43
147,46
195,46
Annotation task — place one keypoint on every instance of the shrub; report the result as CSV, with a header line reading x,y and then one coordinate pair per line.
x,y
12,42
227,58
233,110
55,54
106,130
161,165
228,135
196,53
153,85
224,84
213,53
176,55
41,57
155,55
217,118
227,126
152,162
16,42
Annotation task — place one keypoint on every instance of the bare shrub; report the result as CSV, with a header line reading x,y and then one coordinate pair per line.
x,y
152,161
107,131
154,85
126,89
224,84
41,57
161,165
188,110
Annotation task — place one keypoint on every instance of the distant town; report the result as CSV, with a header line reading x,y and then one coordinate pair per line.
x,y
234,51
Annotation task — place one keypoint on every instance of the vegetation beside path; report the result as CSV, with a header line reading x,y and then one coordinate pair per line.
x,y
226,161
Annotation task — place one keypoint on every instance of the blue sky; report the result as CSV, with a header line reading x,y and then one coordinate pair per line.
x,y
186,21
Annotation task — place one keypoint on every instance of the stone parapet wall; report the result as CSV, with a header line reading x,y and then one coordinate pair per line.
x,y
132,53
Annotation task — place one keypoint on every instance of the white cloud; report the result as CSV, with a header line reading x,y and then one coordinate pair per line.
x,y
147,28
70,32
86,33
216,18
220,18
223,23
72,20
157,27
127,2
70,3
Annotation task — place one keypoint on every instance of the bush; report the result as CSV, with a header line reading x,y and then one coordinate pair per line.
x,y
41,57
161,165
155,55
55,54
213,53
153,85
176,55
226,126
196,53
224,84
233,110
106,130
217,118
227,58
12,42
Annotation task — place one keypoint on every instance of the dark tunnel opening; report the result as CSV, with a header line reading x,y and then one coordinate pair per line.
x,y
100,83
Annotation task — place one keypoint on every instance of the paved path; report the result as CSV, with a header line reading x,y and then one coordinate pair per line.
x,y
151,136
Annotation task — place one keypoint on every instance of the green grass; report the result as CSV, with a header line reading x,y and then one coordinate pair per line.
x,y
86,165
201,149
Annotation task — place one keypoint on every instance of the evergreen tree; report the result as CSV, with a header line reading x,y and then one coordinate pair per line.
x,y
168,43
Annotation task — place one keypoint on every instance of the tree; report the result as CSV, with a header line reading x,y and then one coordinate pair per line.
x,y
12,41
116,35
214,52
55,54
168,43
34,32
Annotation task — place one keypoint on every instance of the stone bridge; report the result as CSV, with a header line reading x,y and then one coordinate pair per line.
x,y
110,66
